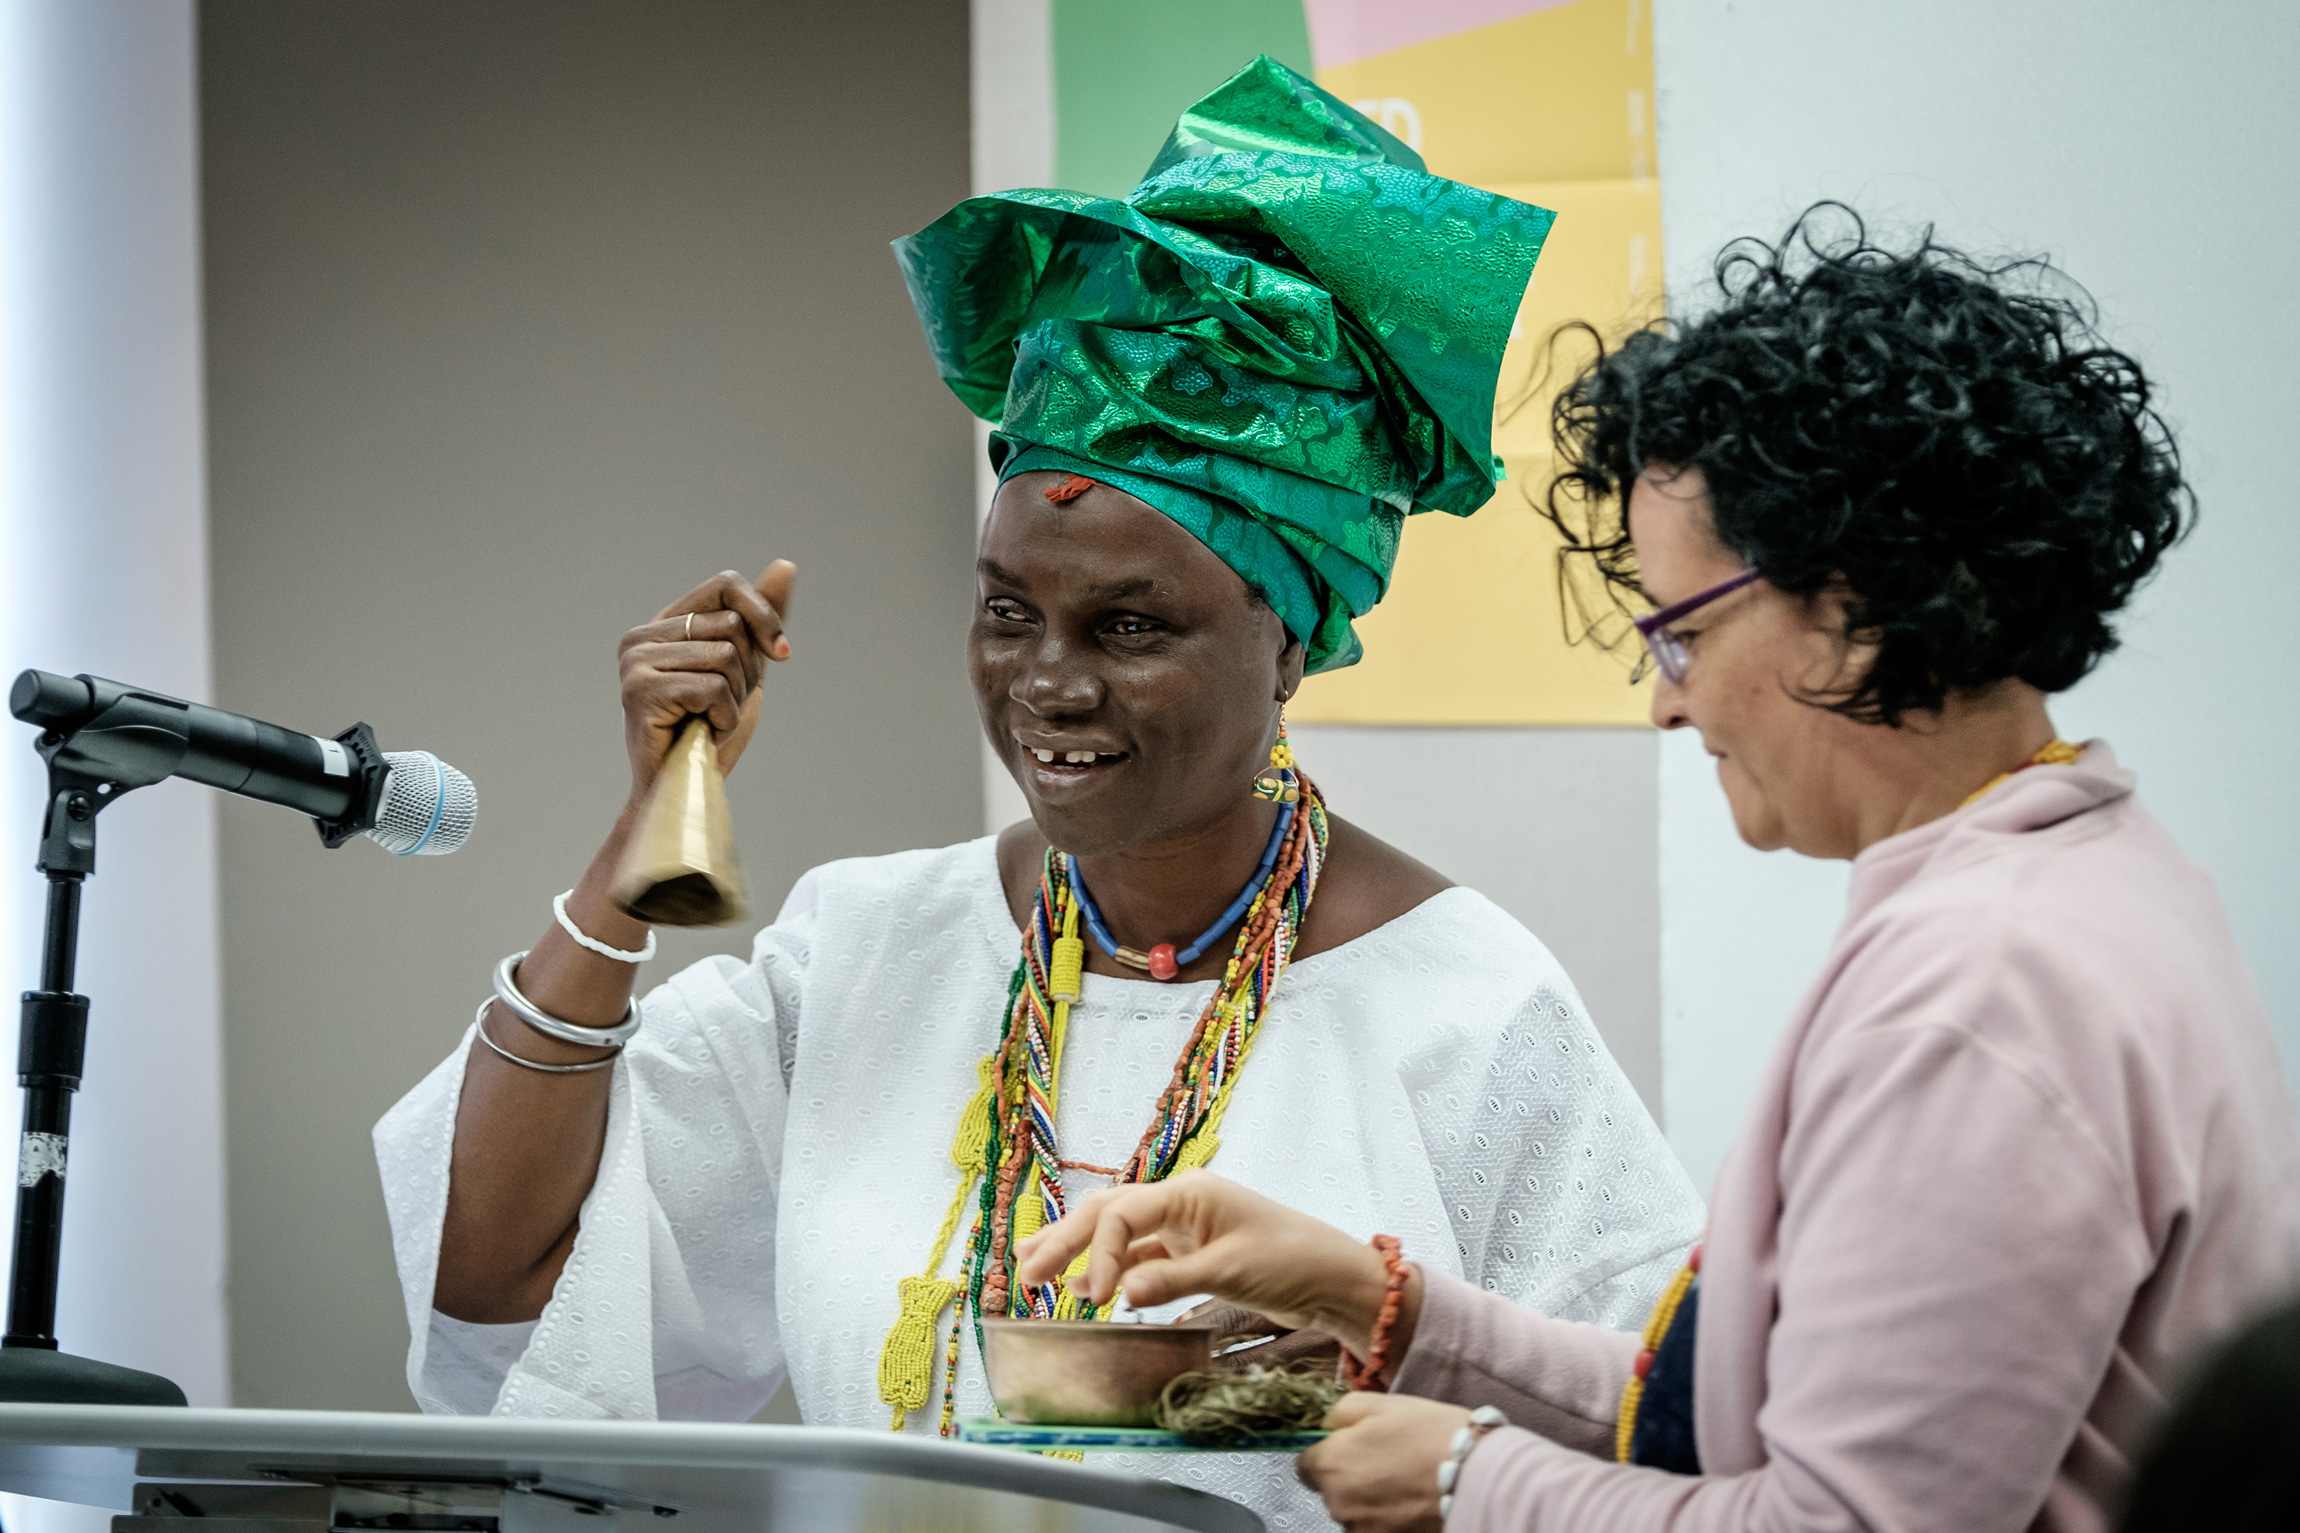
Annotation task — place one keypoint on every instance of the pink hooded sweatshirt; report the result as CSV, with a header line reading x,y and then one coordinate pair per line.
x,y
2025,1144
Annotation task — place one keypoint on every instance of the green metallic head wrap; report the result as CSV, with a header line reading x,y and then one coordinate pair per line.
x,y
1286,338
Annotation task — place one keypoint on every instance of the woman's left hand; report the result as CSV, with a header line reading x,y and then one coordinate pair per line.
x,y
1378,1472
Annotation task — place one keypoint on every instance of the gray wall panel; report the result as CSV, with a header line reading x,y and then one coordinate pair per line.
x,y
524,317
1556,826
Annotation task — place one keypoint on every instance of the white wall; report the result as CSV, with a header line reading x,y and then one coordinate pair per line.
x,y
2151,149
106,548
103,568
1556,826
523,317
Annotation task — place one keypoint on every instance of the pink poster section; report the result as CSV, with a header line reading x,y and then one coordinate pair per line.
x,y
1345,31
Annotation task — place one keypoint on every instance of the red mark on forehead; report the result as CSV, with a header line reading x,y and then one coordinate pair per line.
x,y
1069,489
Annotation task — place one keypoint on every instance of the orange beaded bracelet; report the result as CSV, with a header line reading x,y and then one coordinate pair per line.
x,y
1393,1295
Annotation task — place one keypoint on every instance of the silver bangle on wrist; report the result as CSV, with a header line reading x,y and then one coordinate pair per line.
x,y
1481,1421
507,991
585,939
479,1026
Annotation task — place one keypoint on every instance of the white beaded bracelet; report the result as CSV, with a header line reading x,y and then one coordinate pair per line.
x,y
620,955
1481,1421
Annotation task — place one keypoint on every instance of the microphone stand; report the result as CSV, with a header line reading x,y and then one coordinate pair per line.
x,y
124,748
100,740
48,1056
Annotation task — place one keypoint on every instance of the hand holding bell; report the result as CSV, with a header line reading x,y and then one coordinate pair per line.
x,y
690,704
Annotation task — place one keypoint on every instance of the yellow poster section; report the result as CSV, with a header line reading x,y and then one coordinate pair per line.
x,y
1554,108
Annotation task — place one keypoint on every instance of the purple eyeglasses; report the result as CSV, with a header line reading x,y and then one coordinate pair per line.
x,y
1663,645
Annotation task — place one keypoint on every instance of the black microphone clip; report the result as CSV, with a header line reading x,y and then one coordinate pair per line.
x,y
102,739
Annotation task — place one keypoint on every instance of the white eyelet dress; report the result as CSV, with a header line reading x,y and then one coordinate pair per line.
x,y
778,1151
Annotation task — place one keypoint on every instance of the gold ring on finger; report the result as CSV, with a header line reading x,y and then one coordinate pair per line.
x,y
690,625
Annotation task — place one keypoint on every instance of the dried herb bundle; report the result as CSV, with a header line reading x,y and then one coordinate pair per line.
x,y
1230,1409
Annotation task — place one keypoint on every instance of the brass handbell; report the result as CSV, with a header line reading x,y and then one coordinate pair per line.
x,y
680,867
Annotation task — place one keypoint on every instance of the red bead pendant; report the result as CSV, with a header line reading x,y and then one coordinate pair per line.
x,y
1162,964
1644,1363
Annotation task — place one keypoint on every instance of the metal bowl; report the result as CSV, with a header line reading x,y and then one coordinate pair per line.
x,y
1088,1373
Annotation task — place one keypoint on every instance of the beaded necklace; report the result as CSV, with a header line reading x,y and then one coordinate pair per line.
x,y
1162,962
1009,1163
2054,753
1672,1306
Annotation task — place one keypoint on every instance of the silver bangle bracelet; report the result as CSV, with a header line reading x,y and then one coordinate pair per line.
x,y
1481,1421
507,991
479,1026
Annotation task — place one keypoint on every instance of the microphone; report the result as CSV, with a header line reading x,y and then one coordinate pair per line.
x,y
105,737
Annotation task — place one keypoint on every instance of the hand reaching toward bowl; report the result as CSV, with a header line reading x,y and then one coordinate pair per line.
x,y
1244,1339
1200,1233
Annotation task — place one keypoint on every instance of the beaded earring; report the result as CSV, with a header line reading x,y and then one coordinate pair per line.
x,y
1280,784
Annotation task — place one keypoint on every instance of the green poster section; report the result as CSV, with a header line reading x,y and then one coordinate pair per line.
x,y
1125,69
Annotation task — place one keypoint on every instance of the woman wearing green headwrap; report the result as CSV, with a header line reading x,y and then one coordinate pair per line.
x,y
1216,403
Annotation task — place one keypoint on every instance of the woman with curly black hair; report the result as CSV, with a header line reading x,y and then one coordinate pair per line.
x,y
2026,1140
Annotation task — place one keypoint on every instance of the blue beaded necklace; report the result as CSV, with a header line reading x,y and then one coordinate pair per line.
x,y
1163,961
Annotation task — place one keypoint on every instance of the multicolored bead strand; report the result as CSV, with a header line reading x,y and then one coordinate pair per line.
x,y
1006,1149
1164,961
1184,1130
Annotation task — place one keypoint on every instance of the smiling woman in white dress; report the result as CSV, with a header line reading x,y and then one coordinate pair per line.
x,y
815,1162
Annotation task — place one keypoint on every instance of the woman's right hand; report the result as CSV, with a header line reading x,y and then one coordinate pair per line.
x,y
527,1145
703,654
1201,1233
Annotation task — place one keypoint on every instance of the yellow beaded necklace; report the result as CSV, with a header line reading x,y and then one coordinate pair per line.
x,y
2055,753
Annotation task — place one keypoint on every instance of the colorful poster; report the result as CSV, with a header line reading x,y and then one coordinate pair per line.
x,y
1550,101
